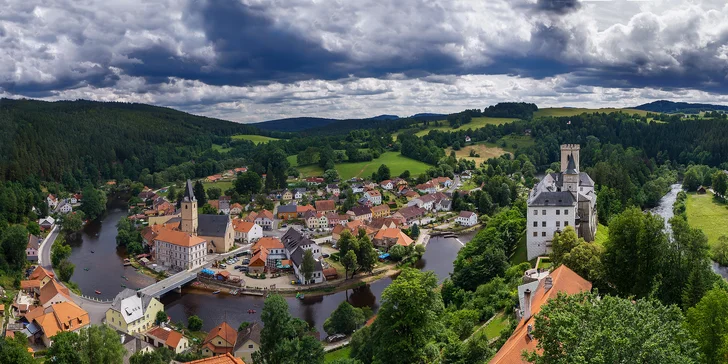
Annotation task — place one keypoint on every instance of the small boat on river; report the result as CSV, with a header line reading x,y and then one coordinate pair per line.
x,y
216,292
86,269
98,292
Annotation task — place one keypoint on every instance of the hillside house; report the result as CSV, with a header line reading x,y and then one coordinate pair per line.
x,y
466,218
31,249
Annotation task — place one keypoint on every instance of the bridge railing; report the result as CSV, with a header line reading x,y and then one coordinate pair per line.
x,y
95,299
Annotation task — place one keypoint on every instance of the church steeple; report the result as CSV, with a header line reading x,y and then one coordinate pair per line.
x,y
189,210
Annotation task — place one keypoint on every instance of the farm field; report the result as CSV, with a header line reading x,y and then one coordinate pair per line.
x,y
477,123
708,215
396,162
257,139
222,185
484,150
569,111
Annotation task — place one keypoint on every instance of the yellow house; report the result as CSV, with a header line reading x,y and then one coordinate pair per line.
x,y
380,211
287,196
220,340
248,342
133,312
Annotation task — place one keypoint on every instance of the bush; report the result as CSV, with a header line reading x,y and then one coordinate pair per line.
x,y
194,323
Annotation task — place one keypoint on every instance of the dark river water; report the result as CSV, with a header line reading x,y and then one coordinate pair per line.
x,y
105,264
105,271
213,309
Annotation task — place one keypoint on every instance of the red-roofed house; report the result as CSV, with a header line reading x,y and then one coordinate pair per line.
x,y
220,340
165,336
386,238
534,295
247,231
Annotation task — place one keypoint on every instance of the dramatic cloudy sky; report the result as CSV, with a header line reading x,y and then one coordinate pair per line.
x,y
253,60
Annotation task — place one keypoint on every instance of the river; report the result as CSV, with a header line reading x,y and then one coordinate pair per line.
x,y
213,309
106,263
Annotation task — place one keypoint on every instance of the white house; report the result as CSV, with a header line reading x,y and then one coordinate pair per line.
x,y
179,250
374,197
467,218
52,201
296,244
298,193
65,207
357,188
333,189
562,199
247,231
387,185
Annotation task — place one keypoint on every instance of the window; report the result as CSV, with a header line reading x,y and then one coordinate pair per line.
x,y
558,224
535,224
543,223
566,212
543,233
558,212
535,233
566,223
250,346
535,212
543,212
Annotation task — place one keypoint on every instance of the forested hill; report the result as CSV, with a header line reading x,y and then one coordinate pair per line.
x,y
664,106
61,140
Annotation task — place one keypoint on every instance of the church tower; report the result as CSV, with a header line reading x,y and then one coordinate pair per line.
x,y
189,210
568,150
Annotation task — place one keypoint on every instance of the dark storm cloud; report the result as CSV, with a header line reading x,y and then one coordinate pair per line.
x,y
558,6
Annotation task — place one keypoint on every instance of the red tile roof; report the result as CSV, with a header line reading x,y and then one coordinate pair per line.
x,y
227,358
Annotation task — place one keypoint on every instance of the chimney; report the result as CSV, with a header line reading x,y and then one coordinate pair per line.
x,y
548,283
529,331
139,293
526,304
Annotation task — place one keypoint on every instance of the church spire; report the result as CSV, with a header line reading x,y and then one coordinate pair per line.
x,y
571,166
189,192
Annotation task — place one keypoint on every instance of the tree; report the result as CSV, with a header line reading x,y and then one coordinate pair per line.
x,y
65,270
207,209
59,252
15,350
720,250
346,242
72,223
94,344
586,260
283,339
308,265
562,243
361,343
248,183
14,242
405,175
414,232
397,252
349,263
194,323
720,183
199,191
331,175
409,305
383,173
691,180
243,325
214,193
93,203
635,252
161,317
480,260
344,320
708,325
172,193
161,355
586,328
33,228
366,256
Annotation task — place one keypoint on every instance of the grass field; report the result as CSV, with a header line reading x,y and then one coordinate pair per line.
x,y
476,123
485,151
569,111
222,185
602,234
257,139
342,353
396,162
708,215
494,328
220,148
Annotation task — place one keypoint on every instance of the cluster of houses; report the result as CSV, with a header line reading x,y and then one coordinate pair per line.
x,y
62,205
272,254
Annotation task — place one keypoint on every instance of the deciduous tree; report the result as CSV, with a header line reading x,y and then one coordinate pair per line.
x,y
344,320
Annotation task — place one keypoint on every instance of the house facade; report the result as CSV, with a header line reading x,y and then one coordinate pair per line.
x,y
466,218
167,337
562,199
247,231
374,197
31,249
380,211
179,250
219,341
248,342
133,312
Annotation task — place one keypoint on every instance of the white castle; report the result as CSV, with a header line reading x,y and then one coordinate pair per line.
x,y
562,199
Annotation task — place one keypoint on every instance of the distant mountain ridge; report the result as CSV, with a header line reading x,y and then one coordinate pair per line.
x,y
666,106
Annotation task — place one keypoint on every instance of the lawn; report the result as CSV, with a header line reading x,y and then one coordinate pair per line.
x,y
602,234
476,123
570,111
484,150
341,353
520,255
396,162
257,139
222,185
494,328
707,214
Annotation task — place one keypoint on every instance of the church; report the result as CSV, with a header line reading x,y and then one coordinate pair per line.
x,y
217,230
561,199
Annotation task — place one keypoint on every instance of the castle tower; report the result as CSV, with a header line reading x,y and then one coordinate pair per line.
x,y
571,176
189,210
566,151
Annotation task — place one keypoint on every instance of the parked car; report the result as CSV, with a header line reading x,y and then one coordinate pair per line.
x,y
335,338
325,255
223,265
246,261
238,266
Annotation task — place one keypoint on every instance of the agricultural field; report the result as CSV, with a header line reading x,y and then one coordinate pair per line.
x,y
707,214
257,139
477,123
222,185
484,150
569,111
396,162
